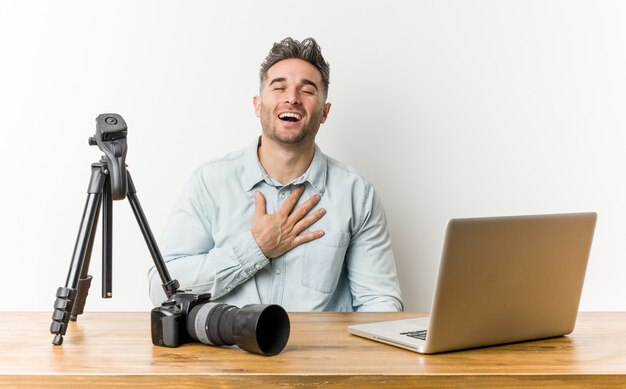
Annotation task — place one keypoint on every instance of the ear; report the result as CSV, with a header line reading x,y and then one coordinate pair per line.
x,y
325,112
256,101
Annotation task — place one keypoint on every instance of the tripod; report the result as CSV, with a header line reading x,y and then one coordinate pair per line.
x,y
109,181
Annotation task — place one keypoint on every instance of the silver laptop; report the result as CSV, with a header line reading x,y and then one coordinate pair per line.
x,y
501,280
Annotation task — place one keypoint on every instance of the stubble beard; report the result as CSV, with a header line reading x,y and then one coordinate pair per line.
x,y
302,137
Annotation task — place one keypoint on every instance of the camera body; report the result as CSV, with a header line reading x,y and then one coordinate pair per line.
x,y
169,321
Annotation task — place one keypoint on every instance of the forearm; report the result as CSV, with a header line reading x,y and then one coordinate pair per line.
x,y
218,271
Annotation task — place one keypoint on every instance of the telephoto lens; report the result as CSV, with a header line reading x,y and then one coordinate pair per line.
x,y
257,328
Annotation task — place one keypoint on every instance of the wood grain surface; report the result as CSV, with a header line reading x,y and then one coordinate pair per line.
x,y
114,349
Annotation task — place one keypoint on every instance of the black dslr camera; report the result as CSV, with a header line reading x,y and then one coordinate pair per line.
x,y
186,317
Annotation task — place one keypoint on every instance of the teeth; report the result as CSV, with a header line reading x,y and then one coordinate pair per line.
x,y
285,115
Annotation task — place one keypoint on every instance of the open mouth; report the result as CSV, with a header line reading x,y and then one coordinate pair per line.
x,y
290,117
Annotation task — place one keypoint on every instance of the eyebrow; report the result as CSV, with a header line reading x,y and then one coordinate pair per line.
x,y
304,81
309,82
280,79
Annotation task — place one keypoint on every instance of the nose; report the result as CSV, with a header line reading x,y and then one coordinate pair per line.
x,y
291,97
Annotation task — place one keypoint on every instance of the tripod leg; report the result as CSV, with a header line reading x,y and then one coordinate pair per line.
x,y
65,297
84,283
107,241
170,286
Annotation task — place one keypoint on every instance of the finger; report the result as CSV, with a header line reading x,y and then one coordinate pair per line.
x,y
304,209
259,201
292,200
309,220
309,236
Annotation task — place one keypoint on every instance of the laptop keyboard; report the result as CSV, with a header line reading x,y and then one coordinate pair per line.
x,y
415,334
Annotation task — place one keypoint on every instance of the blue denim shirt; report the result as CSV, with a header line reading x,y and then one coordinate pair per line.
x,y
208,245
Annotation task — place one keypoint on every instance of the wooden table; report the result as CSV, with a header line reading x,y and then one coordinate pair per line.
x,y
114,349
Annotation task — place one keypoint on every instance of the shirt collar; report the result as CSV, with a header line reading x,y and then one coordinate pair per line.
x,y
255,173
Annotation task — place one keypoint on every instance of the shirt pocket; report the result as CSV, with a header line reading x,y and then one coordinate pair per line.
x,y
323,259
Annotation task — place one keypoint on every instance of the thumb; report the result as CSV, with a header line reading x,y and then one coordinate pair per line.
x,y
259,200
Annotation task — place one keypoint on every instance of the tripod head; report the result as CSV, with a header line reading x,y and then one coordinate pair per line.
x,y
110,137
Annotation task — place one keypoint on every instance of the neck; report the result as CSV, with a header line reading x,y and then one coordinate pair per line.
x,y
285,164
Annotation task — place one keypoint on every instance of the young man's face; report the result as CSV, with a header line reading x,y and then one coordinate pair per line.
x,y
292,104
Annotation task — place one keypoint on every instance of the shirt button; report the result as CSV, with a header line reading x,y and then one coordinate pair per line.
x,y
258,266
277,272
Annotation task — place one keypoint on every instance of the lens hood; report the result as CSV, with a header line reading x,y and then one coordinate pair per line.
x,y
262,328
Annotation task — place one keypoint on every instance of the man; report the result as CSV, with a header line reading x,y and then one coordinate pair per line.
x,y
280,222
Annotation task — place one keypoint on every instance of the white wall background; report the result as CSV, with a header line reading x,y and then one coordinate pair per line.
x,y
451,108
